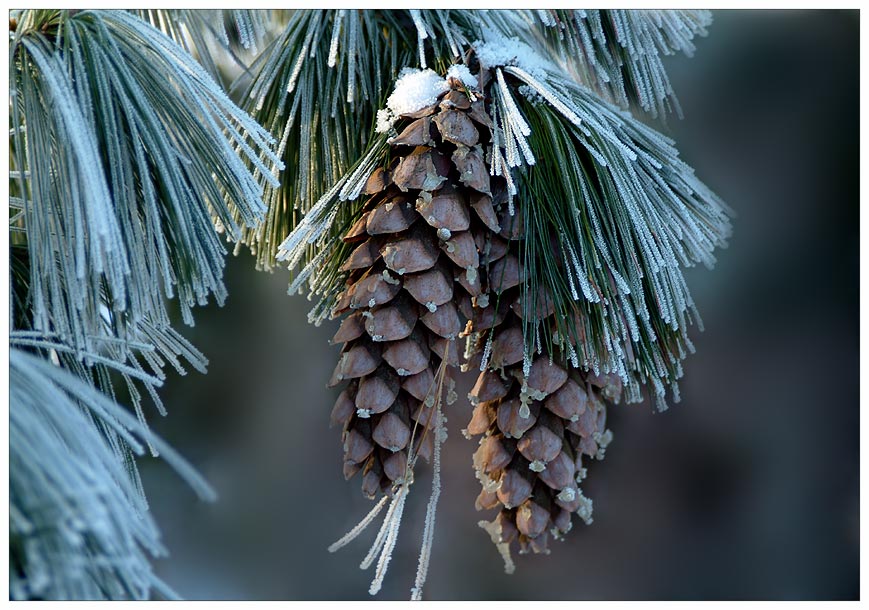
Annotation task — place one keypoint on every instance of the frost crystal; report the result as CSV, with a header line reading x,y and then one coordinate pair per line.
x,y
603,441
384,120
586,508
568,494
531,94
494,530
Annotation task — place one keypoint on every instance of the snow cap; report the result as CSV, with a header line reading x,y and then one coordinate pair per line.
x,y
416,89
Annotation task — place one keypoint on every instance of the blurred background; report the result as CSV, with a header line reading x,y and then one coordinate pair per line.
x,y
747,489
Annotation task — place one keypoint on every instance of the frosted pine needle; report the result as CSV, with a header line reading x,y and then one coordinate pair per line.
x,y
431,509
382,535
360,527
421,35
336,30
391,540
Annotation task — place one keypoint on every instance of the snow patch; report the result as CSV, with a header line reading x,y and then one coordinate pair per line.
x,y
415,89
460,72
498,50
384,120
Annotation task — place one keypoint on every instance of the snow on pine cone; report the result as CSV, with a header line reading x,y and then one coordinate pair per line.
x,y
535,429
414,252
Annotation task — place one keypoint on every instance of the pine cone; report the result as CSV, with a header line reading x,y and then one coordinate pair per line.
x,y
414,241
538,421
416,238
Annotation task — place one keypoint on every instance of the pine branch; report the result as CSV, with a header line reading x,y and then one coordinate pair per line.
x,y
615,215
568,274
131,154
142,351
316,239
625,212
125,156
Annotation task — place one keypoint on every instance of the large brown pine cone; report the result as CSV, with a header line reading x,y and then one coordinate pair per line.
x,y
414,254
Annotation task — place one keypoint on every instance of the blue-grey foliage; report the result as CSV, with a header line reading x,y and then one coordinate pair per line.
x,y
128,160
79,522
198,30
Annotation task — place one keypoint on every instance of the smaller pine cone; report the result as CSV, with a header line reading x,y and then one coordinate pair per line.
x,y
537,422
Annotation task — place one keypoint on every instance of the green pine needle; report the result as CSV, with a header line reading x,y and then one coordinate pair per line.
x,y
611,216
